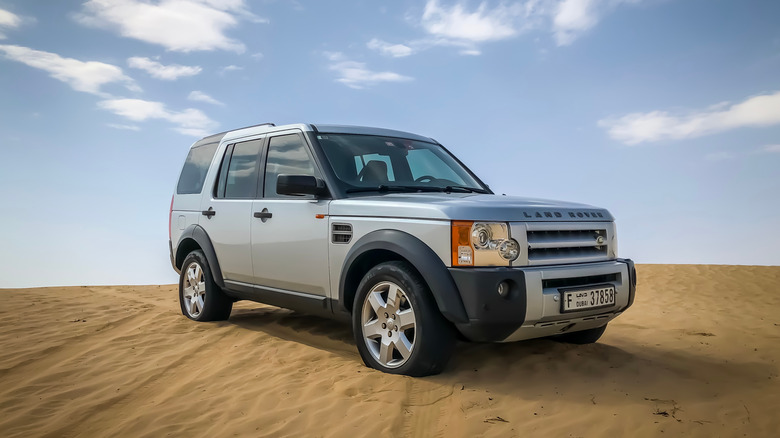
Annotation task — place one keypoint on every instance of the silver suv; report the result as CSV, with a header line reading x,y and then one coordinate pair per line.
x,y
390,231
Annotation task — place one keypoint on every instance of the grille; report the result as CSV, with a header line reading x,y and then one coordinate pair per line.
x,y
547,245
342,233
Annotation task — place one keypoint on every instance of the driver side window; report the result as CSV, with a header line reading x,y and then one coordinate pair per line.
x,y
287,155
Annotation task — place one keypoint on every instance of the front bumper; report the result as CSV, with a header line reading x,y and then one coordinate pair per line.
x,y
532,307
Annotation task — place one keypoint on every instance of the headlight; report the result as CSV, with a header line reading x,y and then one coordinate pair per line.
x,y
482,244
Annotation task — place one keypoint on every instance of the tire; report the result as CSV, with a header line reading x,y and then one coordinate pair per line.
x,y
200,298
589,336
414,339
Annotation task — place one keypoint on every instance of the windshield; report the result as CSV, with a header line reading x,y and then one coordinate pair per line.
x,y
366,163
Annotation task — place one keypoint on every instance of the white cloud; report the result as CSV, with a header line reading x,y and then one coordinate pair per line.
x,y
83,76
466,27
230,68
635,128
385,48
200,96
481,25
189,121
124,127
574,17
415,46
8,20
771,149
177,25
355,74
160,71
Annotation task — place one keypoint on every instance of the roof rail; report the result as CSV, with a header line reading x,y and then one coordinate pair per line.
x,y
245,127
255,126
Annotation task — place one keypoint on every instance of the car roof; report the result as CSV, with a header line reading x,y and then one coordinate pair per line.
x,y
317,128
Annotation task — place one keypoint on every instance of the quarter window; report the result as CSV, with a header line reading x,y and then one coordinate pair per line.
x,y
193,174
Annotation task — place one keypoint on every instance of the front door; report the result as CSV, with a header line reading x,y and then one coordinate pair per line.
x,y
290,233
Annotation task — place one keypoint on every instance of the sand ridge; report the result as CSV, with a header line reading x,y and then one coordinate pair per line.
x,y
696,356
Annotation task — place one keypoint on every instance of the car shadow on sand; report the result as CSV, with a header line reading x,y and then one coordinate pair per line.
x,y
541,366
321,333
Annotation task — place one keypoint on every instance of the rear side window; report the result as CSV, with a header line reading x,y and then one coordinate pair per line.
x,y
241,181
195,167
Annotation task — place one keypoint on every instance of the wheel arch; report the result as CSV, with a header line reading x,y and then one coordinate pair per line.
x,y
387,245
194,238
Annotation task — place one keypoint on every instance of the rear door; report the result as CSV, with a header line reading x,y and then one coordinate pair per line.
x,y
290,234
227,208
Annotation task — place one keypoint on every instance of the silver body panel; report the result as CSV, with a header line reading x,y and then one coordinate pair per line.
x,y
228,230
290,250
469,206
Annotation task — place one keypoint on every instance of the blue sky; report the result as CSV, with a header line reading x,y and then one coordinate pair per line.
x,y
666,112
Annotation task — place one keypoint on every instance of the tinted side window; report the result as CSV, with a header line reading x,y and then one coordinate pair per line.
x,y
287,155
241,181
195,167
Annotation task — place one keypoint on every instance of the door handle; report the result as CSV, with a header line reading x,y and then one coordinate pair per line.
x,y
208,213
263,214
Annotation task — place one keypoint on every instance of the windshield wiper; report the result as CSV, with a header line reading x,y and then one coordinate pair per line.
x,y
385,188
463,189
382,188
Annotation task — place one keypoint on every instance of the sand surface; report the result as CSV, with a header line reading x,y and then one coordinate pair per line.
x,y
697,355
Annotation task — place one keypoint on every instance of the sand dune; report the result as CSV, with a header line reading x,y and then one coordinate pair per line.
x,y
697,355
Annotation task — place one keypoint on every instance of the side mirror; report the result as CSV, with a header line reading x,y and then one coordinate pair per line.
x,y
297,185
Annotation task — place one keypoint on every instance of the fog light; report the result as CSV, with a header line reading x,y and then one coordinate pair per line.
x,y
503,289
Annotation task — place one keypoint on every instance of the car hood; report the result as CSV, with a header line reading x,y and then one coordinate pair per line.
x,y
467,206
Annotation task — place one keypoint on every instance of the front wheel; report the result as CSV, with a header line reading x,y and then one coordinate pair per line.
x,y
199,297
398,327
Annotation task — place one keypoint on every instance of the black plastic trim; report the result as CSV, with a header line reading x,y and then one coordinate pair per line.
x,y
298,301
631,281
199,235
173,259
491,317
422,257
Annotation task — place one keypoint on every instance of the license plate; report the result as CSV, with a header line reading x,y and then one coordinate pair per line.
x,y
594,297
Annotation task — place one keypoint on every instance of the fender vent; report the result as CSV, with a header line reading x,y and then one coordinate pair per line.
x,y
342,233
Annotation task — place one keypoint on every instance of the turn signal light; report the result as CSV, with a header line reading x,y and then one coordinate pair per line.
x,y
462,251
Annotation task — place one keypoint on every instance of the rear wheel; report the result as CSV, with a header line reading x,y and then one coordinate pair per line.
x,y
200,298
588,336
398,327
